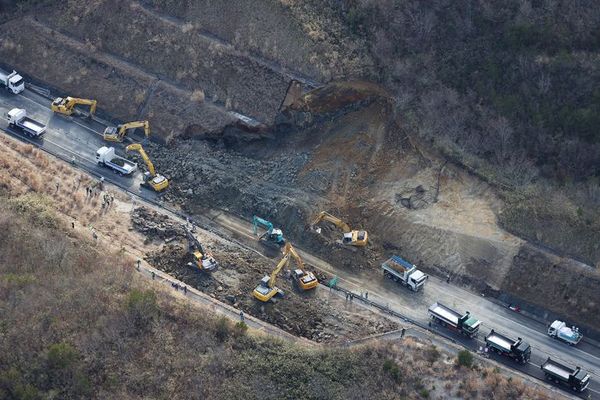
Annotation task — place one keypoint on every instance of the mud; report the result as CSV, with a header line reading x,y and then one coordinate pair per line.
x,y
317,315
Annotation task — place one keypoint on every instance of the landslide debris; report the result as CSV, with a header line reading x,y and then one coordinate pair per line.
x,y
155,225
320,316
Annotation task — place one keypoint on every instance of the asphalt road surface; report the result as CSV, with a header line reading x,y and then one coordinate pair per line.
x,y
80,138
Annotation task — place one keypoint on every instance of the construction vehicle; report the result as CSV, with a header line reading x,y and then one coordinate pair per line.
x,y
463,323
117,134
272,234
106,157
560,373
202,259
400,270
155,181
350,237
18,119
304,280
559,330
518,350
66,105
12,81
266,289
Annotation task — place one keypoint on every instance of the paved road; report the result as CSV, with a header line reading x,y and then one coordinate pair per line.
x,y
79,138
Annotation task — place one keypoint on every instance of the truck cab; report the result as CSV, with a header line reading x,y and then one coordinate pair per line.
x,y
13,82
416,280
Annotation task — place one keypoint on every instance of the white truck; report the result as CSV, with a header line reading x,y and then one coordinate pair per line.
x,y
13,82
106,157
17,118
559,330
400,270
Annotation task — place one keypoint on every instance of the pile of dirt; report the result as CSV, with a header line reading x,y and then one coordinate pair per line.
x,y
155,225
316,315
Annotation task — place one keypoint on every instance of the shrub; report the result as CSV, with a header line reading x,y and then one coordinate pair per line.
x,y
222,329
141,307
391,367
37,208
465,359
61,356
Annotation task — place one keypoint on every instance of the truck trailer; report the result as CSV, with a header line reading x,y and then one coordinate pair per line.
x,y
518,350
12,81
463,323
106,157
404,272
560,373
18,119
559,330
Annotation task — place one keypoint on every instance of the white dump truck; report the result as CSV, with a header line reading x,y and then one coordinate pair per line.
x,y
12,81
559,330
404,272
106,157
18,119
463,323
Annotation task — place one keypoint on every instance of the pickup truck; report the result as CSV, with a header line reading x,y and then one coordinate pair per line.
x,y
17,118
518,350
12,81
400,270
558,372
106,157
463,323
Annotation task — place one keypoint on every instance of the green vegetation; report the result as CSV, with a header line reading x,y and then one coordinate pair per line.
x,y
465,359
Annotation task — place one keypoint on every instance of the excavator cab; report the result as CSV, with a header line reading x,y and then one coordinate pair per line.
x,y
117,134
355,238
203,260
272,234
66,105
266,288
350,237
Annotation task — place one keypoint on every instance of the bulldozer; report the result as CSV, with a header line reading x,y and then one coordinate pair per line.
x,y
66,105
117,134
202,260
154,181
357,238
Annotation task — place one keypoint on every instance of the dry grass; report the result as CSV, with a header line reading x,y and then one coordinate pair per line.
x,y
78,301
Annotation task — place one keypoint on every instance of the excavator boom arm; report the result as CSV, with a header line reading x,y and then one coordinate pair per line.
x,y
123,128
138,147
296,257
325,216
284,261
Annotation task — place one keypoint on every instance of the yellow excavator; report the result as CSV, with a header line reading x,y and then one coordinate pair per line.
x,y
155,181
203,260
117,134
304,279
351,237
66,105
266,289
